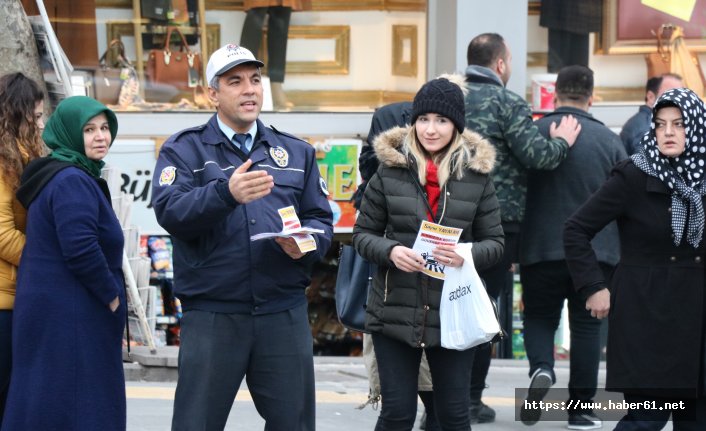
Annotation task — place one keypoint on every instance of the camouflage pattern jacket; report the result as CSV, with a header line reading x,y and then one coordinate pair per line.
x,y
505,119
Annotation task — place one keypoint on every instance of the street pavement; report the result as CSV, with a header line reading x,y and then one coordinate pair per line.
x,y
341,386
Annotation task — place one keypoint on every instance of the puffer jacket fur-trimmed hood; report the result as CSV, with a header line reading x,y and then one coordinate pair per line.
x,y
389,149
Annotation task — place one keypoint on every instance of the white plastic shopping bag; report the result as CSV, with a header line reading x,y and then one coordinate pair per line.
x,y
467,315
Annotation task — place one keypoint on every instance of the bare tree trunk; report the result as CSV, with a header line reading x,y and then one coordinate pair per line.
x,y
18,50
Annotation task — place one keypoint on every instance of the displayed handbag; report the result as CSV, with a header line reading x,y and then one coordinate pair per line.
x,y
180,12
673,56
178,68
354,279
155,9
468,316
108,78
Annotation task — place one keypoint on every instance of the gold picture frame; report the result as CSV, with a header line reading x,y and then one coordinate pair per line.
x,y
629,32
401,34
340,34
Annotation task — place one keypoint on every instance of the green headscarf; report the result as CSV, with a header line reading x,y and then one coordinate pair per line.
x,y
63,133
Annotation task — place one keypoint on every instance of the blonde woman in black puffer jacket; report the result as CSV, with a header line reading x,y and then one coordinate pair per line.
x,y
433,170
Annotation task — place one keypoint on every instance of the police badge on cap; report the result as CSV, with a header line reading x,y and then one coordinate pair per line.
x,y
280,156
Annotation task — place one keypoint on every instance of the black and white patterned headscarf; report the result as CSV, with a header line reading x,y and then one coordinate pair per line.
x,y
683,175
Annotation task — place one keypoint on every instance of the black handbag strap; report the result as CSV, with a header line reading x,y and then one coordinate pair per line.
x,y
416,182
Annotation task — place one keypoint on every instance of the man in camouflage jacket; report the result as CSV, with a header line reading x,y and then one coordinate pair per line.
x,y
505,119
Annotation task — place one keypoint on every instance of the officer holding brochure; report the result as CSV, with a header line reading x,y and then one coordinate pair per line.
x,y
245,312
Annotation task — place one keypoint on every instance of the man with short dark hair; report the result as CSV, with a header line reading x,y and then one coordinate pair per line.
x,y
636,127
505,119
245,311
552,196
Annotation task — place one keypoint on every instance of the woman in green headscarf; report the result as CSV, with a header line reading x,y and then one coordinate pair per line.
x,y
70,305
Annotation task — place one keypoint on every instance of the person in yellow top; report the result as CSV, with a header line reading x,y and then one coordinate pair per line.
x,y
21,125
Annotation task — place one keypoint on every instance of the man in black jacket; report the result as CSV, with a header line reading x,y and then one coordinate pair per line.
x,y
385,117
505,119
552,196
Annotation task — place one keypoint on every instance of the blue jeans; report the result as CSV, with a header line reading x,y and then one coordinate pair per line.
x,y
5,356
398,365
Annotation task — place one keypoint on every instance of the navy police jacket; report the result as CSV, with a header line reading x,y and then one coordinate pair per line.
x,y
216,265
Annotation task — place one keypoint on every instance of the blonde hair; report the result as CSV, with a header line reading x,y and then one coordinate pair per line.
x,y
450,161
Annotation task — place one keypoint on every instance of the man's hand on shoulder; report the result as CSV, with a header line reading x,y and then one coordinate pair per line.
x,y
568,129
289,246
247,186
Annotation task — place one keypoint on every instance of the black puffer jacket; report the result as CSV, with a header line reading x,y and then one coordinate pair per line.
x,y
402,305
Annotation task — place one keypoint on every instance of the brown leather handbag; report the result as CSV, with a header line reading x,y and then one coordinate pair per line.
x,y
178,68
108,78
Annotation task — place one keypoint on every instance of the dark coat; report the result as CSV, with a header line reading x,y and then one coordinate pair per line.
x,y
575,16
405,306
67,371
657,291
216,266
552,196
384,118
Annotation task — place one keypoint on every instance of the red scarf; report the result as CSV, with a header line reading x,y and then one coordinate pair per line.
x,y
432,188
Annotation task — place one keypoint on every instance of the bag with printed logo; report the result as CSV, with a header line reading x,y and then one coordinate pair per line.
x,y
468,316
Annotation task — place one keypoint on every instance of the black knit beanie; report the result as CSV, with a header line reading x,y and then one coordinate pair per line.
x,y
441,96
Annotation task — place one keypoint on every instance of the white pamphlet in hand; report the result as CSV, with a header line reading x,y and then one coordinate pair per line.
x,y
292,228
430,236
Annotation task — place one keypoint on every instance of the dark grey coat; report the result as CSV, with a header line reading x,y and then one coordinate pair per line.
x,y
657,291
405,306
575,16
552,196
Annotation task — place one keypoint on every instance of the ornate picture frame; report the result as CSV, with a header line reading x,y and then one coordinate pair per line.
x,y
338,65
627,25
404,35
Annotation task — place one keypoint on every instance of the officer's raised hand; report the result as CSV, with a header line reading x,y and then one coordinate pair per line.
x,y
247,186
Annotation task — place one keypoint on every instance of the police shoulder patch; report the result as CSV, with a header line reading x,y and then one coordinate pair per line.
x,y
323,187
168,175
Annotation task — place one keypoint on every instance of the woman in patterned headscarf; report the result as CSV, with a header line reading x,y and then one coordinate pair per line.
x,y
656,300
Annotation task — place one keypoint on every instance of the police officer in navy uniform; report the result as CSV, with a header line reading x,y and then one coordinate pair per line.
x,y
245,312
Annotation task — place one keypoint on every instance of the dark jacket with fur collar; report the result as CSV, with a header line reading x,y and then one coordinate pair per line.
x,y
405,306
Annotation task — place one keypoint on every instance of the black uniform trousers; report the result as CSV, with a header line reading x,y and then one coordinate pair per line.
x,y
273,352
277,35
